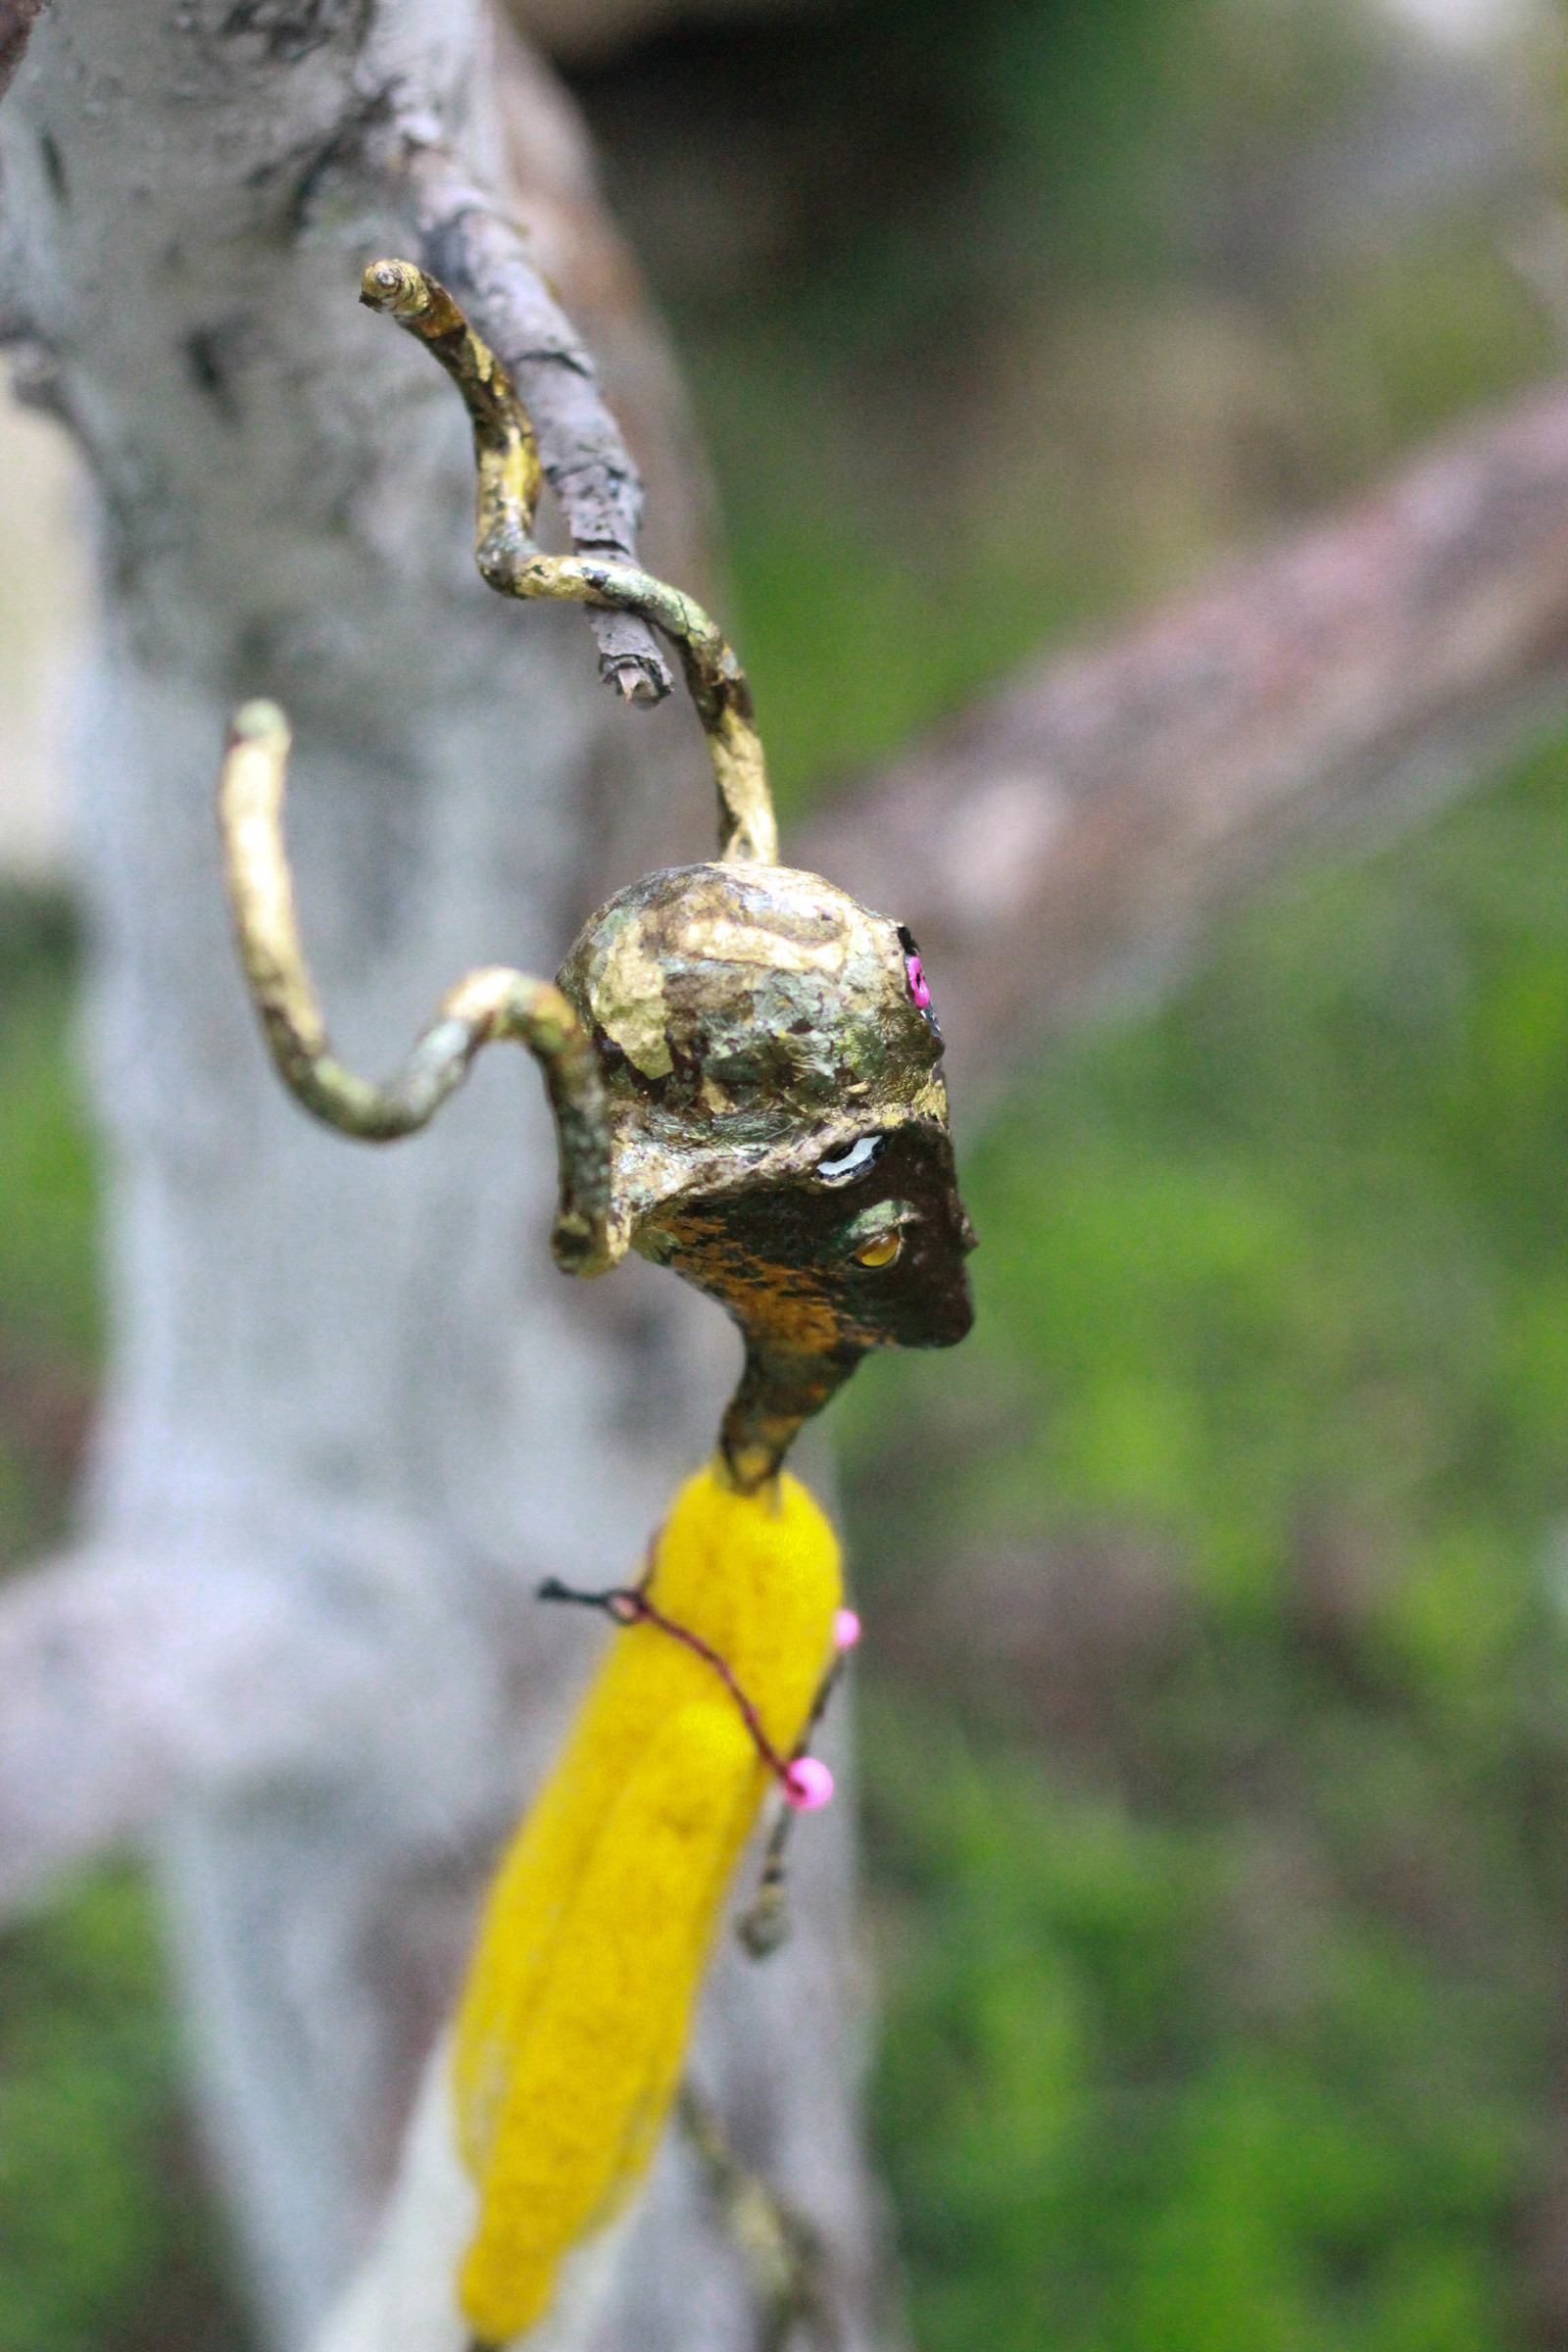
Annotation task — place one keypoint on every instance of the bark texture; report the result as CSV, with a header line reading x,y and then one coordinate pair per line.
x,y
1061,840
352,1413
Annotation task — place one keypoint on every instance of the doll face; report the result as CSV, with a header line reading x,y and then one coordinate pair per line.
x,y
867,1251
779,1125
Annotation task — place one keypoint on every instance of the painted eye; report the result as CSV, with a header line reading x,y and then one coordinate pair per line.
x,y
881,1252
841,1165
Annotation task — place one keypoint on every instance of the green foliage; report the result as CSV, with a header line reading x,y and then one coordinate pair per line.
x,y
48,1270
1089,2146
847,651
85,2072
48,1286
1302,1231
991,335
1274,1286
105,2236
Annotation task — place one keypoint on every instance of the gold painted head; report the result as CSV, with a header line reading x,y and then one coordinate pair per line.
x,y
742,1061
778,1120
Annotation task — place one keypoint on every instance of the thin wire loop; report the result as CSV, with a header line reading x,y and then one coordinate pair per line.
x,y
629,1604
763,1926
491,1004
507,467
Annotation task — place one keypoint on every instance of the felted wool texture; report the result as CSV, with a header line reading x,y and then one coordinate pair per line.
x,y
574,2019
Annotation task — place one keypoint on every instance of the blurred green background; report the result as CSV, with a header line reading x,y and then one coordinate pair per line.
x,y
1216,1682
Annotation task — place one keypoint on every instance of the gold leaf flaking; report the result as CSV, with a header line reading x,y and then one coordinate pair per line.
x,y
720,938
626,995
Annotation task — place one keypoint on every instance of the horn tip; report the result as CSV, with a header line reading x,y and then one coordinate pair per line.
x,y
259,722
392,286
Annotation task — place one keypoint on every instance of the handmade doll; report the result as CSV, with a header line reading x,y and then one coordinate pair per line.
x,y
742,1065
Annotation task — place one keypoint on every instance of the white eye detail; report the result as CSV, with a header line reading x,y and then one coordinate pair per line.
x,y
841,1165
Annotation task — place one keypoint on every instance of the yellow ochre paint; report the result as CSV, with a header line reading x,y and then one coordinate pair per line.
x,y
573,2022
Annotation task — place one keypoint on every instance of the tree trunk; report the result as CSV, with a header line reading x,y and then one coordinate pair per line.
x,y
350,1399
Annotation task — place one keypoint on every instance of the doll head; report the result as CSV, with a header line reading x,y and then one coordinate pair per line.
x,y
742,1061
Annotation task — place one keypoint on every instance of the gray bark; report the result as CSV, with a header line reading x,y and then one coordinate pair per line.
x,y
352,1414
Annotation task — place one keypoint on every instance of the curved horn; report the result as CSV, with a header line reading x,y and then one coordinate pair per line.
x,y
488,1004
509,485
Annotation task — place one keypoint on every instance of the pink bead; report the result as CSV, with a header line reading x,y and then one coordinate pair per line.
x,y
846,1628
807,1785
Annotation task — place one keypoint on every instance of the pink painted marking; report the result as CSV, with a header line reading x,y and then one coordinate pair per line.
x,y
807,1785
846,1628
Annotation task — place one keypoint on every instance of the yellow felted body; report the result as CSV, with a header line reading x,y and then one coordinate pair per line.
x,y
574,2019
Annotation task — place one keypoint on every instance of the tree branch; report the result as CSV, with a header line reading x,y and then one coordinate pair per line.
x,y
121,1689
17,18
782,2252
483,258
1063,839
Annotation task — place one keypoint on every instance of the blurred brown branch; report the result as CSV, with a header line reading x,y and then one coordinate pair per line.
x,y
471,243
16,22
120,1695
1059,843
